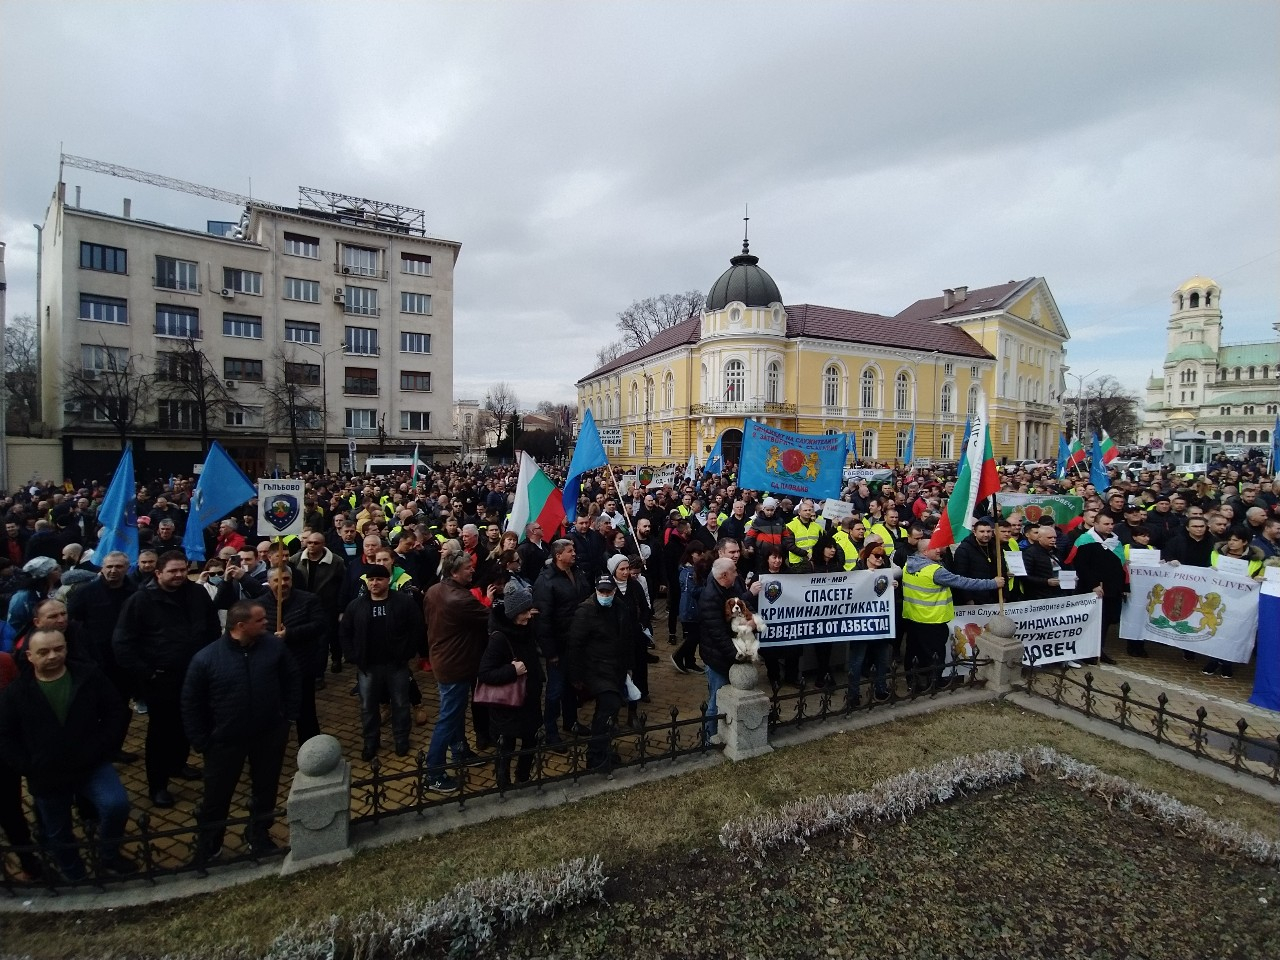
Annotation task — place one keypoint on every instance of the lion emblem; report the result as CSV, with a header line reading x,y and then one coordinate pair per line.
x,y
811,466
771,465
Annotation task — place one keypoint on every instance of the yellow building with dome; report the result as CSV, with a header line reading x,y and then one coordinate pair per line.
x,y
816,369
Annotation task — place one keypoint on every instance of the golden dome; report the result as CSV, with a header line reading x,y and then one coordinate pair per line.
x,y
1198,283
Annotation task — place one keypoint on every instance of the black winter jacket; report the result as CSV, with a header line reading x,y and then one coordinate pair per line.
x,y
321,577
54,755
96,607
160,631
715,640
392,642
1040,569
599,654
1188,552
234,693
507,642
306,629
557,597
973,560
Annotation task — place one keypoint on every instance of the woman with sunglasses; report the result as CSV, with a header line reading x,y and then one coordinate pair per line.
x,y
873,557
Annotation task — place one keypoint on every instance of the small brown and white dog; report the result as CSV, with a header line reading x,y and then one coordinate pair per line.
x,y
746,627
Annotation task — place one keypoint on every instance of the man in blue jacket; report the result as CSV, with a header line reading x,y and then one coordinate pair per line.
x,y
239,697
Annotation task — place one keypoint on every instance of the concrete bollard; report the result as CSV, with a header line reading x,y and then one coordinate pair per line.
x,y
999,642
745,728
319,806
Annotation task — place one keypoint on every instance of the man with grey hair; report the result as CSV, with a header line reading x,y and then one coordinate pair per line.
x,y
558,591
533,553
715,641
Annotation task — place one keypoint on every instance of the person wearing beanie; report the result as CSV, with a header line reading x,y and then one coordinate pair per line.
x,y
512,652
637,617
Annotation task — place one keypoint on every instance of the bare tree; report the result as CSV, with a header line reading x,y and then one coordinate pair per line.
x,y
1106,404
108,385
645,319
501,402
610,352
293,405
187,376
21,374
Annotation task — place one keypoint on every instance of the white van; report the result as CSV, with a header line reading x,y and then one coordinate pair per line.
x,y
383,466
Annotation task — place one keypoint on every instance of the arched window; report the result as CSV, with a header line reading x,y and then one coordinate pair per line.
x,y
1266,372
1195,300
1237,373
1264,435
901,395
901,445
666,443
735,380
1228,436
608,407
1181,304
635,397
631,444
706,384
1208,297
649,405
1253,436
867,390
1251,373
1222,374
1004,384
773,382
944,446
944,400
831,387
669,392
972,406
1217,435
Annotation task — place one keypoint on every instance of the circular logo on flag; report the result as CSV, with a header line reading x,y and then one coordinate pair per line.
x,y
773,590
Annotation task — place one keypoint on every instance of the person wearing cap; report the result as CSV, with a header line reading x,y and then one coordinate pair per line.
x,y
379,633
44,575
1135,519
975,557
511,653
766,527
1164,523
598,658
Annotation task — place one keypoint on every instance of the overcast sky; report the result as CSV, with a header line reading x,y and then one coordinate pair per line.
x,y
588,155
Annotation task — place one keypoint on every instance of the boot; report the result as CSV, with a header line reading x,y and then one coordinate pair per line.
x,y
633,719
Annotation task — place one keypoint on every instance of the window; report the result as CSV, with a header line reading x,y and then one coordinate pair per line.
x,y
415,302
901,394
1237,373
415,421
1224,411
103,309
242,281
416,264
298,331
106,410
666,443
362,340
635,397
973,371
631,444
415,342
178,415
360,261
868,444
300,245
307,418
1248,410
867,390
901,445
735,380
295,288
235,368
1217,435
944,446
773,383
361,419
241,325
944,399
361,381
1195,300
174,367
668,392
1228,436
1251,372
178,274
304,374
416,381
1273,408
361,300
972,406
96,256
649,405
831,387
948,369
1253,436
174,321
97,359
244,417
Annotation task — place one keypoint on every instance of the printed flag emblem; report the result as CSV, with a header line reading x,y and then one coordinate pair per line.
x,y
282,510
1173,609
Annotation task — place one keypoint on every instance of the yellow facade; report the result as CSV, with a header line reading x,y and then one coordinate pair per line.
x,y
739,362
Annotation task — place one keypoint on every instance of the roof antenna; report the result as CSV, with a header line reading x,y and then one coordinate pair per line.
x,y
745,220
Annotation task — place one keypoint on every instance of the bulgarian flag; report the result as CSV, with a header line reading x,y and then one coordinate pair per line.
x,y
1077,456
1109,451
537,499
978,479
414,473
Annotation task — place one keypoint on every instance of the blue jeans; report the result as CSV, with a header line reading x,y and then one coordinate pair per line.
x,y
103,789
394,679
450,730
881,663
714,682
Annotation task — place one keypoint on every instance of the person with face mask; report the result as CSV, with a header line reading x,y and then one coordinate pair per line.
x,y
599,656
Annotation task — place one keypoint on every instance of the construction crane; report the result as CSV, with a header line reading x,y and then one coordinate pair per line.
x,y
159,180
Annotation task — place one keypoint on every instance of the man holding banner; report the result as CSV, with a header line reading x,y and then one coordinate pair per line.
x,y
928,609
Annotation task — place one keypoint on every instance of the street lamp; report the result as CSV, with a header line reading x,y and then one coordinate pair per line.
x,y
1082,418
324,398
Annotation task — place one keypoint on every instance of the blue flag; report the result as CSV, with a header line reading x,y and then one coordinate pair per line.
x,y
587,455
791,463
118,514
715,461
1275,447
222,486
1097,469
968,427
909,454
1064,455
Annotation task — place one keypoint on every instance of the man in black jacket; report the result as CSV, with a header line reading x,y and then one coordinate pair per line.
x,y
1100,568
239,696
598,657
715,641
1190,547
556,594
1041,580
975,557
60,725
159,631
302,628
321,572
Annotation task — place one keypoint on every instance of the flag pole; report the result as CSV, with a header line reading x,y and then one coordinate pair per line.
x,y
626,514
280,586
995,509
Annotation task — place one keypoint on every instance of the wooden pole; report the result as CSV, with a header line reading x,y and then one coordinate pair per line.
x,y
626,514
995,509
280,587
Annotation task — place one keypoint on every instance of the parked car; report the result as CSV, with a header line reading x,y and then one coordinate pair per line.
x,y
1015,465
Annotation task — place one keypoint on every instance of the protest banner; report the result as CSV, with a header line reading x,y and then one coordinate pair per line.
x,y
1033,506
1052,630
786,463
667,478
280,507
1193,608
836,510
826,607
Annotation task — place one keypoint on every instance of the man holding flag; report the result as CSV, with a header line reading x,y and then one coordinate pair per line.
x,y
222,487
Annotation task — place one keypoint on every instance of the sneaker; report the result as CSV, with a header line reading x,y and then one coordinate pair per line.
x,y
264,847
1225,671
680,667
1210,668
1072,664
140,708
443,785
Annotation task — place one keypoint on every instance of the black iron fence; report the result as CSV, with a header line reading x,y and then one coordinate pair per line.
x,y
417,789
1227,746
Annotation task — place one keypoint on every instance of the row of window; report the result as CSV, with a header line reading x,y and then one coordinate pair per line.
x,y
1252,372
362,301
868,444
185,415
1242,436
1249,409
354,259
185,274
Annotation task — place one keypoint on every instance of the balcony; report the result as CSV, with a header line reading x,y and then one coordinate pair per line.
x,y
359,272
738,408
359,433
351,390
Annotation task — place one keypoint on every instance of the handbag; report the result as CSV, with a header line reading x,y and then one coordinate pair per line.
x,y
502,694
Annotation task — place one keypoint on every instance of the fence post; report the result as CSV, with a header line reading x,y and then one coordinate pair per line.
x,y
745,728
319,806
998,641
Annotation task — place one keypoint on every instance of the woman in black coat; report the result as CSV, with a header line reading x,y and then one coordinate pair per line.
x,y
512,652
636,619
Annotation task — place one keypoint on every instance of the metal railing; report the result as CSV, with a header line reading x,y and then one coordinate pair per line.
x,y
1227,746
738,407
382,794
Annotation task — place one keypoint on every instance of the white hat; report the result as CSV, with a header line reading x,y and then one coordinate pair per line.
x,y
615,562
769,503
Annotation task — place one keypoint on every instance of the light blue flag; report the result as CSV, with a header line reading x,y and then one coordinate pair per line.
x,y
1064,455
715,461
791,463
222,487
118,514
587,455
1097,469
968,426
909,454
1275,447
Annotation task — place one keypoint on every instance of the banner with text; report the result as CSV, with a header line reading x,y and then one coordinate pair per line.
x,y
280,504
1052,630
1033,506
1194,608
797,464
826,607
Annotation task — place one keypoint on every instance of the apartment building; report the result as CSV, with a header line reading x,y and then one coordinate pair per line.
x,y
296,336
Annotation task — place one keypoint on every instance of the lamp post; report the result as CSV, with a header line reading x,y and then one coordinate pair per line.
x,y
1082,413
324,399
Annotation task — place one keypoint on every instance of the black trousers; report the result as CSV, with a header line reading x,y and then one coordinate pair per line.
x,y
603,723
926,652
223,765
167,746
686,656
782,664
308,722
507,745
13,822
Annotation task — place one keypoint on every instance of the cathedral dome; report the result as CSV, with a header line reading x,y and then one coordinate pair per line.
x,y
1197,283
745,282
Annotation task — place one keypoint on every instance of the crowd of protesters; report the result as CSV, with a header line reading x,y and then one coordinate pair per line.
x,y
402,585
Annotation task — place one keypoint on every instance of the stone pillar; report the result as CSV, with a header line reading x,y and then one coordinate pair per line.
x,y
745,728
999,642
319,806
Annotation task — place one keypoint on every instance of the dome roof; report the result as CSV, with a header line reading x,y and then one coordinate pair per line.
x,y
1197,283
744,282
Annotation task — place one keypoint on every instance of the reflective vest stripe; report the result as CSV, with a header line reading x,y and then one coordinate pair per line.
x,y
923,600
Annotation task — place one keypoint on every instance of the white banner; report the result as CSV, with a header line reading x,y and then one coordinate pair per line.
x,y
836,510
663,479
1052,630
802,608
280,507
1193,608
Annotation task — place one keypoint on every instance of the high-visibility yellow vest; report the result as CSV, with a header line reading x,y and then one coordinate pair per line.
x,y
1255,566
891,538
923,601
845,542
806,535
